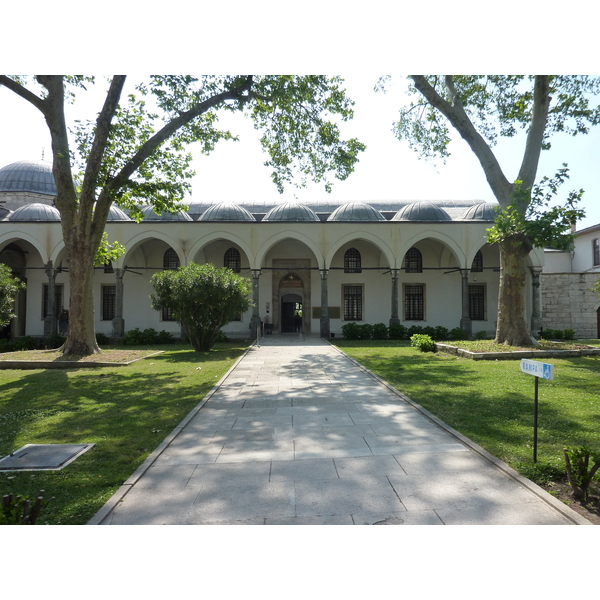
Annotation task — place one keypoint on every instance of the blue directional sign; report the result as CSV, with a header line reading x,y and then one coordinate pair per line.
x,y
537,368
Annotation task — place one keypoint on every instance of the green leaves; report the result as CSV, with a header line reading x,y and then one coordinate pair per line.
x,y
531,215
9,286
203,299
108,252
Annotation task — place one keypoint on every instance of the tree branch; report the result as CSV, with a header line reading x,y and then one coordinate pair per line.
x,y
461,122
535,135
22,91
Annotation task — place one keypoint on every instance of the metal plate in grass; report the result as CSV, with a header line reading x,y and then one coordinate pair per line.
x,y
43,457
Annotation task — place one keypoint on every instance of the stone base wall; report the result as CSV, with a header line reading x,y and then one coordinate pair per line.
x,y
569,303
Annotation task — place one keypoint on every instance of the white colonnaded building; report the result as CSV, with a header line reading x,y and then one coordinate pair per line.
x,y
406,262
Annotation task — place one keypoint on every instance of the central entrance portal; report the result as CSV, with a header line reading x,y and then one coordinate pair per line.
x,y
291,313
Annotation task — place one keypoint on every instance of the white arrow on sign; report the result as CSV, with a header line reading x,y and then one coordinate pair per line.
x,y
537,369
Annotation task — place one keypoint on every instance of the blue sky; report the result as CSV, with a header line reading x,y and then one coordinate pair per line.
x,y
388,170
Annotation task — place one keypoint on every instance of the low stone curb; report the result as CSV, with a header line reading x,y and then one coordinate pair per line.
x,y
113,501
515,354
67,364
555,503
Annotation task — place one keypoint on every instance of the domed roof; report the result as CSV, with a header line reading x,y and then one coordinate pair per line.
x,y
356,211
150,215
116,214
421,211
35,212
291,211
28,176
226,211
484,211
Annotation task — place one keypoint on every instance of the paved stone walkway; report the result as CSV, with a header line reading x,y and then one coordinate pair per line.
x,y
297,433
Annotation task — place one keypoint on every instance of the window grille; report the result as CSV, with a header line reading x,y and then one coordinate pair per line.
x,y
353,303
109,302
477,265
58,300
171,260
232,260
352,261
414,303
596,244
477,302
413,261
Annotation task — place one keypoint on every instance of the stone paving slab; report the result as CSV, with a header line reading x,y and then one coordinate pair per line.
x,y
299,434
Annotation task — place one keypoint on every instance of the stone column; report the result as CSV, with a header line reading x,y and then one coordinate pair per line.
x,y
536,320
325,328
395,320
465,321
51,319
255,320
118,322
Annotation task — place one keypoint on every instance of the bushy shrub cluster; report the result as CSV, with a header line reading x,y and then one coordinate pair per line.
x,y
380,331
558,334
22,343
136,337
423,342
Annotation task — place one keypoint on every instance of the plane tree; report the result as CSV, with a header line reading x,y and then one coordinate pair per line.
x,y
482,109
136,149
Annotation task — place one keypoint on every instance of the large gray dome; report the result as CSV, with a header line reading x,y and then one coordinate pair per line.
x,y
421,211
28,176
484,211
35,212
150,215
356,211
291,211
226,211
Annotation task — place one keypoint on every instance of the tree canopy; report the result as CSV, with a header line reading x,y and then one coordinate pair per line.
x,y
482,109
9,286
203,298
135,150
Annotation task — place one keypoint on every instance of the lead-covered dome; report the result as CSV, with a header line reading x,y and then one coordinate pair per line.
x,y
35,212
28,176
483,211
150,215
226,211
117,214
291,211
421,211
356,211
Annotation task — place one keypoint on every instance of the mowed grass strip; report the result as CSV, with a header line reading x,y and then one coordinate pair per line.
x,y
125,411
492,402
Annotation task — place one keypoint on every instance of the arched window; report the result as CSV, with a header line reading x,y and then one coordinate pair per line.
x,y
233,260
171,260
477,265
352,261
596,246
413,261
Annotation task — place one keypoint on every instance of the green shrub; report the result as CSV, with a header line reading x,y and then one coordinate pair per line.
x,y
101,339
481,335
164,337
414,329
430,331
458,334
568,334
221,337
20,511
133,337
7,346
552,334
580,474
380,331
365,331
350,331
423,342
55,341
398,332
441,333
25,343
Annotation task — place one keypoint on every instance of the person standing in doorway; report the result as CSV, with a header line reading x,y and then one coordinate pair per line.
x,y
297,323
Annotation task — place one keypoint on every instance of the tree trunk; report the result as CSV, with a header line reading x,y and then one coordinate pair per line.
x,y
81,337
513,329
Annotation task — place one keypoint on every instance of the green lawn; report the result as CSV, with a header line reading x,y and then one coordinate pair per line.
x,y
125,411
491,402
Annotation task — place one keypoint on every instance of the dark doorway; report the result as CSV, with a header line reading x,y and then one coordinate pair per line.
x,y
291,305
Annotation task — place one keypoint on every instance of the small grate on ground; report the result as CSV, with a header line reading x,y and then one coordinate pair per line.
x,y
43,457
